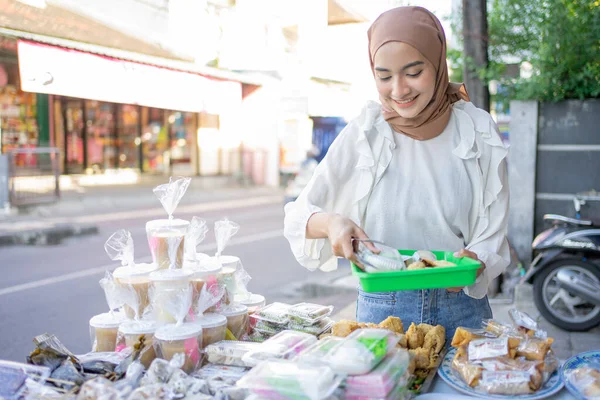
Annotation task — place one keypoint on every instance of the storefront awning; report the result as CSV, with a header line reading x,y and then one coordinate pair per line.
x,y
67,72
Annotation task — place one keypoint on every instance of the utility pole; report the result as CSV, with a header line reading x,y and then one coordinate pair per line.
x,y
475,39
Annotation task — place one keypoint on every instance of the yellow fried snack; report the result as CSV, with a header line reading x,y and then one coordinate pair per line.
x,y
416,265
534,348
415,337
513,345
344,327
435,339
424,328
463,336
367,325
470,373
403,342
394,324
421,357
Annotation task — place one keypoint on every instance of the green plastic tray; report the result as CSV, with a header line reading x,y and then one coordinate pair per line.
x,y
464,274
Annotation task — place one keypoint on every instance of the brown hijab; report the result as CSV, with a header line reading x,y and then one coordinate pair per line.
x,y
421,29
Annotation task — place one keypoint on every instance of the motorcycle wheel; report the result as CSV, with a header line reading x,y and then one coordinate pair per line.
x,y
560,307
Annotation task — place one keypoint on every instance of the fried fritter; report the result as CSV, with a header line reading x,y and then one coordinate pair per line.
x,y
344,327
394,324
414,336
435,339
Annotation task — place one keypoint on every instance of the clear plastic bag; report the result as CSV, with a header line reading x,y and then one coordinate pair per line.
x,y
195,235
138,335
287,380
227,372
285,345
510,383
180,339
586,380
388,259
14,377
399,392
229,352
362,351
171,295
238,320
480,349
525,324
309,313
379,382
316,354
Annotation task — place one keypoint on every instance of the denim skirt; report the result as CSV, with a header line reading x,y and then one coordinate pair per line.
x,y
431,306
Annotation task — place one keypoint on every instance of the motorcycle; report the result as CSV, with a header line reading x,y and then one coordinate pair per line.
x,y
565,271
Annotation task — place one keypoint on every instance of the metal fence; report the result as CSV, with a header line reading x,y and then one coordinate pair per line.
x,y
33,176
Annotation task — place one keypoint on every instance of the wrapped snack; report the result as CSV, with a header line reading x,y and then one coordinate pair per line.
x,y
229,352
470,373
308,313
462,336
103,330
498,328
317,329
195,235
16,377
285,345
399,392
481,349
253,301
266,327
170,294
415,336
185,338
526,325
286,380
227,372
160,370
509,383
379,382
138,334
257,336
549,365
534,348
166,237
388,258
317,353
586,380
509,364
362,350
238,321
276,313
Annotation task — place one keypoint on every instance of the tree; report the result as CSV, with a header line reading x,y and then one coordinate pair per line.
x,y
475,42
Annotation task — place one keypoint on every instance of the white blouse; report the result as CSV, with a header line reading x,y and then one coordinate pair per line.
x,y
445,193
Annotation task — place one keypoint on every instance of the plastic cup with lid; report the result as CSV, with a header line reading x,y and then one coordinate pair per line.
x,y
103,330
185,338
227,276
164,234
214,327
171,289
251,300
238,321
138,332
137,277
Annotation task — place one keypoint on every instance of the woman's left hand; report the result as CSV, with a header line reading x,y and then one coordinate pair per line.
x,y
467,253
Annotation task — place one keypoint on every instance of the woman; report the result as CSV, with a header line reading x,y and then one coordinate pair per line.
x,y
425,169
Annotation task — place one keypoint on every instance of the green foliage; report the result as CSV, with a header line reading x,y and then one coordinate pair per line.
x,y
561,40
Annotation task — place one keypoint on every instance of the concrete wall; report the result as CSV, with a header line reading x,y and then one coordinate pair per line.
x,y
555,153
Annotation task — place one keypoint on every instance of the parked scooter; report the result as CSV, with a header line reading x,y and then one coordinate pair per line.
x,y
565,272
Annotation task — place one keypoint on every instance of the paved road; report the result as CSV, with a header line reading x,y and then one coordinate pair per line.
x,y
55,289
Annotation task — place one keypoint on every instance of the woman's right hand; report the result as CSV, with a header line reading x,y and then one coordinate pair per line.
x,y
341,231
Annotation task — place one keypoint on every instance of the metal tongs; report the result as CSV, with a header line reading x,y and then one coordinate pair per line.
x,y
388,259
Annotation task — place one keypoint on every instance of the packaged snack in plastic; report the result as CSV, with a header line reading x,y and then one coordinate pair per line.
x,y
510,383
498,328
362,351
253,301
308,313
185,338
381,380
534,368
317,329
462,336
276,313
166,237
227,372
285,345
388,258
229,352
317,353
399,392
533,348
104,329
266,327
469,372
138,334
257,336
14,377
238,321
160,370
550,365
117,296
525,324
586,380
195,235
480,349
286,380
171,294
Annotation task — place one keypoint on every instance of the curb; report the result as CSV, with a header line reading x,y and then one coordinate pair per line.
x,y
46,236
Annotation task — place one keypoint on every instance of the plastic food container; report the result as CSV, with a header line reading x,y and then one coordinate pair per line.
x,y
390,372
463,274
238,321
254,301
185,338
103,331
285,345
309,313
317,329
229,352
161,233
276,313
226,276
362,351
214,328
266,327
138,278
399,392
287,380
134,332
317,353
170,287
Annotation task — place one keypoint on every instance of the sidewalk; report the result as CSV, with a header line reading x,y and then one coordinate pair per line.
x,y
80,206
566,344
